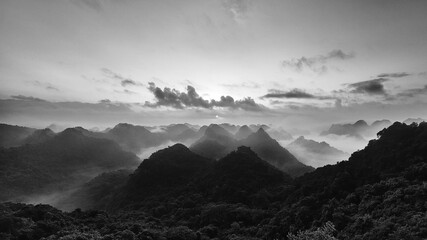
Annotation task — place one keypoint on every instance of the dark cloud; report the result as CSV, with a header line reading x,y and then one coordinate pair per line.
x,y
394,75
372,87
105,101
123,81
127,82
413,92
173,98
294,93
27,98
317,63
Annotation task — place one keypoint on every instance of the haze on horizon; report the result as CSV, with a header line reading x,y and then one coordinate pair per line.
x,y
298,64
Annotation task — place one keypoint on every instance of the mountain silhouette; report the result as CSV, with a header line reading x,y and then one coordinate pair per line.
x,y
359,129
239,175
39,136
279,134
315,153
315,147
414,120
231,128
13,136
134,138
187,135
65,159
215,143
379,193
164,171
243,132
271,151
354,130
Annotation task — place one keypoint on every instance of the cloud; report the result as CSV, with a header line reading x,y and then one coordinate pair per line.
x,y
318,63
394,75
127,82
45,85
413,92
168,97
123,81
248,104
31,111
238,9
294,93
371,87
25,98
125,91
105,101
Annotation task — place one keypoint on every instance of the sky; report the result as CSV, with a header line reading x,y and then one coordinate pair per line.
x,y
295,63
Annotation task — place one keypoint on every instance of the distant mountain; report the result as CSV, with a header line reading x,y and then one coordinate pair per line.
x,y
13,136
61,161
349,129
414,120
315,147
378,125
314,153
279,134
175,129
202,130
359,129
215,143
271,151
231,128
134,138
243,132
185,136
39,136
255,127
56,127
179,133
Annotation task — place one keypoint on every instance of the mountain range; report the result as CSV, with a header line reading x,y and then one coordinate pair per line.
x,y
217,142
59,162
359,129
378,193
315,153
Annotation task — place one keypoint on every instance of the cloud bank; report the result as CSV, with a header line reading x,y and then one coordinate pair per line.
x,y
168,97
371,87
294,93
